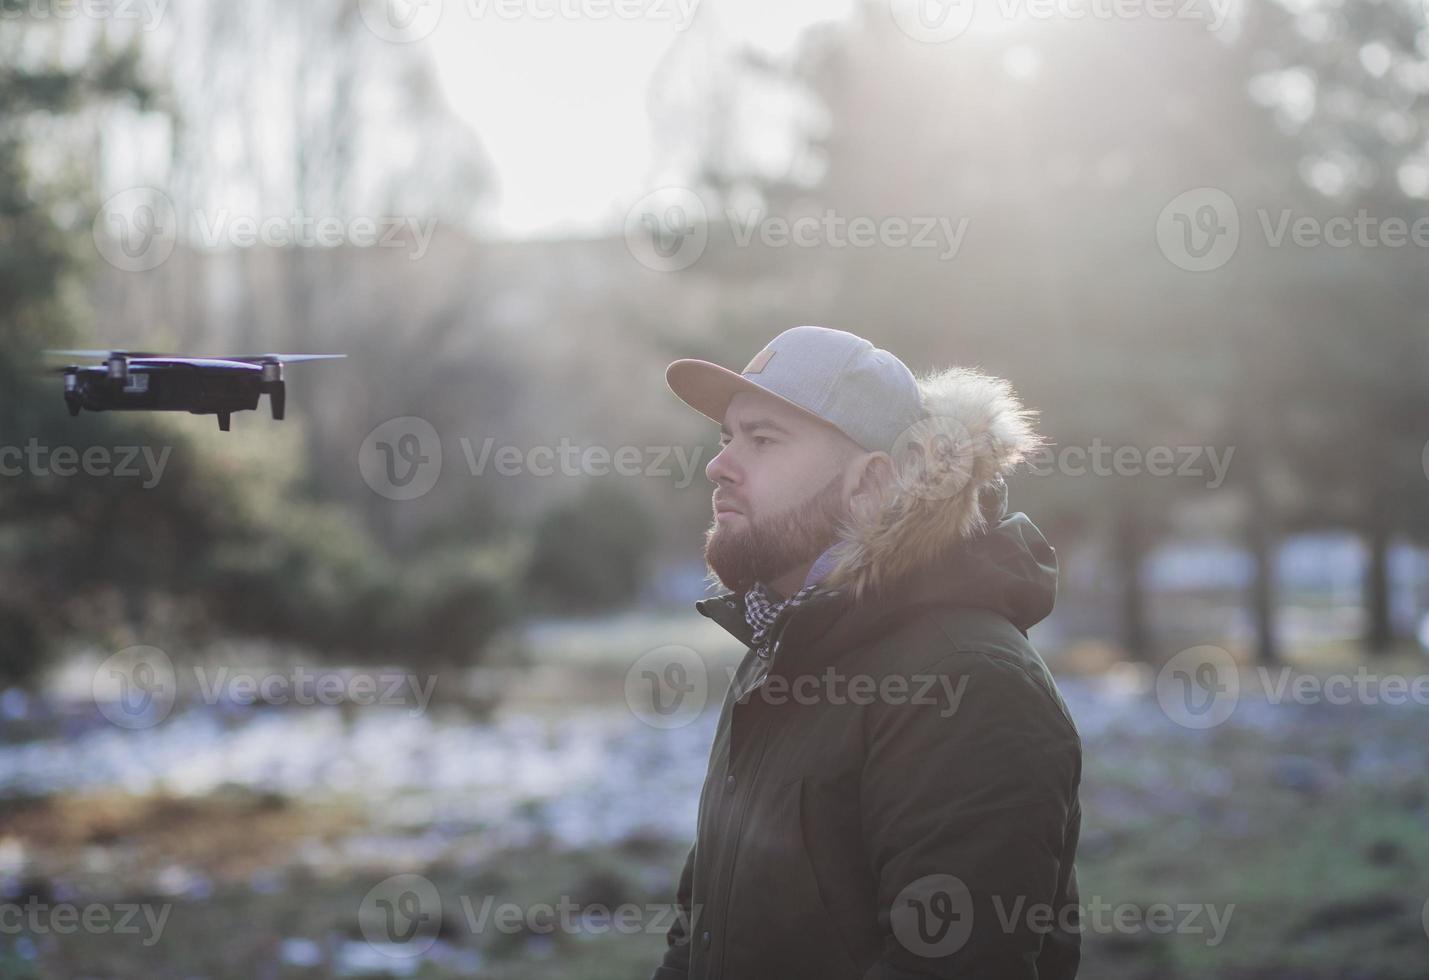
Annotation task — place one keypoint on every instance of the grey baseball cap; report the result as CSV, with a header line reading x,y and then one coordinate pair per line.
x,y
835,376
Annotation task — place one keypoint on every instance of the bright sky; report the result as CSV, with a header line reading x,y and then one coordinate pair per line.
x,y
560,103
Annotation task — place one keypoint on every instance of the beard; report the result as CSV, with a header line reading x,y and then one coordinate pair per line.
x,y
762,549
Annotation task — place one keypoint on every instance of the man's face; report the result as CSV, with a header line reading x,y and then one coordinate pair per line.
x,y
779,491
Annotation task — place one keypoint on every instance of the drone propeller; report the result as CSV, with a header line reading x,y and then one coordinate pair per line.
x,y
246,358
282,358
119,351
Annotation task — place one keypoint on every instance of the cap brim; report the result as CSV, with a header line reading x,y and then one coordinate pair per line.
x,y
708,388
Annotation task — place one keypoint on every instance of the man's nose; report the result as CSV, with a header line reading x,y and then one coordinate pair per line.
x,y
721,469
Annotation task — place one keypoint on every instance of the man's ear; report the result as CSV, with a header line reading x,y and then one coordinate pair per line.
x,y
871,476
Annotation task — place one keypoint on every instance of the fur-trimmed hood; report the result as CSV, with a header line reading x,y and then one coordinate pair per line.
x,y
943,518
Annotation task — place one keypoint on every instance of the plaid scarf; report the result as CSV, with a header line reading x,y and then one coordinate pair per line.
x,y
761,610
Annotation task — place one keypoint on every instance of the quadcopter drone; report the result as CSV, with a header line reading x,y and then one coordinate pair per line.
x,y
162,382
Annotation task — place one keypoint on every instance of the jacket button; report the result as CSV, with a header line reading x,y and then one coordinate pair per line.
x,y
705,941
729,784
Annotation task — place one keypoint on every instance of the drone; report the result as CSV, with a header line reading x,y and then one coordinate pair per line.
x,y
143,380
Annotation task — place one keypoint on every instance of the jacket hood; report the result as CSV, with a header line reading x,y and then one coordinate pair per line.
x,y
943,516
1009,568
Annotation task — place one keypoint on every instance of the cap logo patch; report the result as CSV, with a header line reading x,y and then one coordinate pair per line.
x,y
760,361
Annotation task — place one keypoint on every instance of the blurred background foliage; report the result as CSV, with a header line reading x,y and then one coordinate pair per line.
x,y
1306,364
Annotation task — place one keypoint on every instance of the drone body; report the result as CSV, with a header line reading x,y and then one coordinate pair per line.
x,y
129,380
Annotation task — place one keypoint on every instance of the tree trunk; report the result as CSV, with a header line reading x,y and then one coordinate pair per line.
x,y
1262,539
1130,552
1379,634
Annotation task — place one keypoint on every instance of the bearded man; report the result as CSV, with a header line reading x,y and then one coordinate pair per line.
x,y
892,791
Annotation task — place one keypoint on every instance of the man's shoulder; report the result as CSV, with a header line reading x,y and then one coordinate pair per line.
x,y
970,645
931,632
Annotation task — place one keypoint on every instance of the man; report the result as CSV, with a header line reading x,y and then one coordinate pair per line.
x,y
892,790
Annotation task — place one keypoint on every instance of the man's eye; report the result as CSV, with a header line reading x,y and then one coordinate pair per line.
x,y
761,440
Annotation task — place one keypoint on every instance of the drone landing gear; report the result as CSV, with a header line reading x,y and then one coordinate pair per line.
x,y
277,398
223,419
73,407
